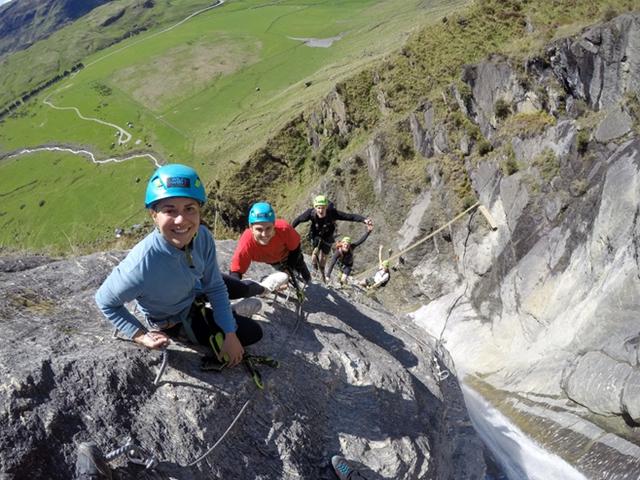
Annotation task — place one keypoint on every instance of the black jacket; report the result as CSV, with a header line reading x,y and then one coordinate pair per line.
x,y
325,227
346,259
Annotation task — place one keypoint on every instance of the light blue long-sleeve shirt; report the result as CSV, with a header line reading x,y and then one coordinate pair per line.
x,y
164,281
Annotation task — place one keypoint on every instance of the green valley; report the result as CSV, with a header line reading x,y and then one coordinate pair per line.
x,y
207,92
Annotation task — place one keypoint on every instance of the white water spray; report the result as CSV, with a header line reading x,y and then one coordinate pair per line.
x,y
520,457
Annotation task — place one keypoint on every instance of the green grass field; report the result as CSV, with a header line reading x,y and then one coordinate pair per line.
x,y
57,201
206,93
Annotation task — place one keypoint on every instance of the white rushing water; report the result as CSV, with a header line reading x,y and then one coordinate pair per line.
x,y
519,457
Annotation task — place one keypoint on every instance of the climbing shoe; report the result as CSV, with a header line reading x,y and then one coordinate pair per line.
x,y
275,281
247,307
344,470
91,464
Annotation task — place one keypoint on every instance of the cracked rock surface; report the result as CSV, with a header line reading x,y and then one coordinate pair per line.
x,y
352,379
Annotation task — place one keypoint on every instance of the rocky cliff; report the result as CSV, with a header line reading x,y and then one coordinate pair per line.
x,y
352,379
541,315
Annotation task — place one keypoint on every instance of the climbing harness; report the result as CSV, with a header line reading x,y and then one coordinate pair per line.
x,y
299,320
296,284
219,362
250,362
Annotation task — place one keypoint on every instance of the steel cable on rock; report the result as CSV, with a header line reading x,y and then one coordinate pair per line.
x,y
299,318
438,347
421,241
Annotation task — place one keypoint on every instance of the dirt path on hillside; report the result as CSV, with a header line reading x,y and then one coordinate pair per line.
x,y
82,152
123,135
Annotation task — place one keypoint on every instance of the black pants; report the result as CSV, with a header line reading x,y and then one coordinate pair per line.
x,y
249,331
345,268
241,288
294,262
324,244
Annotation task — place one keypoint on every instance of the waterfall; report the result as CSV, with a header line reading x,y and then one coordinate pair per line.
x,y
519,457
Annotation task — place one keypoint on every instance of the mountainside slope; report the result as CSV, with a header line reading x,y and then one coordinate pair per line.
x,y
541,314
27,21
350,381
206,90
551,296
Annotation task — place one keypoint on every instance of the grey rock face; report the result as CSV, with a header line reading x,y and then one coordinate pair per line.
x,y
604,384
616,124
490,81
423,136
352,379
544,310
601,65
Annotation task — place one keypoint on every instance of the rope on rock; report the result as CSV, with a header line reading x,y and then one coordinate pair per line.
x,y
299,319
165,360
438,350
480,207
222,437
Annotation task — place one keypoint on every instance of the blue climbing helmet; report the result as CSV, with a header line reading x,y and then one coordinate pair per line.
x,y
261,212
174,180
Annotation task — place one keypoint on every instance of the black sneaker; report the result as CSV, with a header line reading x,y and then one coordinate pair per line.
x,y
91,464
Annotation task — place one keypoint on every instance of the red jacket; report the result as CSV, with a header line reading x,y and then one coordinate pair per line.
x,y
285,240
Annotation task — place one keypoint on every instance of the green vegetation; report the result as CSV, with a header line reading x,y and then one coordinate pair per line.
x,y
56,208
632,104
209,92
582,141
484,147
502,109
26,69
231,92
578,187
508,163
548,165
528,124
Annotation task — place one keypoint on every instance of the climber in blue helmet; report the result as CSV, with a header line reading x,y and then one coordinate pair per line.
x,y
270,240
172,272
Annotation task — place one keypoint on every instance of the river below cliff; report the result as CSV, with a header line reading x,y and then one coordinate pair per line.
x,y
519,457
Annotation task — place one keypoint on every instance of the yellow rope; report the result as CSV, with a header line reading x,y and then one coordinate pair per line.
x,y
432,234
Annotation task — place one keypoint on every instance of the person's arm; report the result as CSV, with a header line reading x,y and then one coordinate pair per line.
x,y
215,288
349,217
216,291
303,217
332,264
291,238
241,259
120,287
241,288
380,256
361,240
